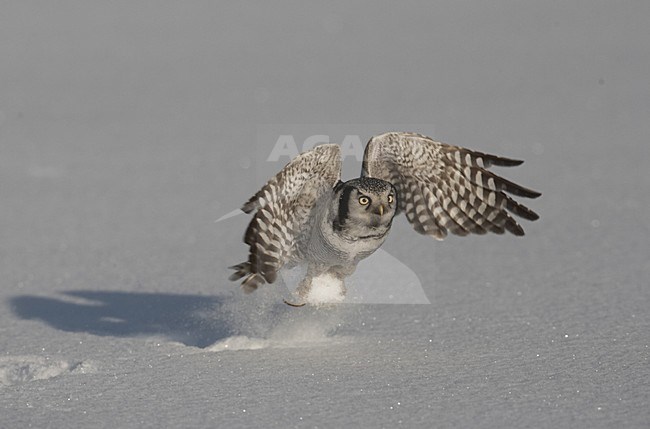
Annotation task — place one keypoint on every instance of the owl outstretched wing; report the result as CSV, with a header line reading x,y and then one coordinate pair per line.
x,y
281,209
447,188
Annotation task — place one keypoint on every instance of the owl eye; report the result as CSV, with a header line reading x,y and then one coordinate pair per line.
x,y
390,199
364,201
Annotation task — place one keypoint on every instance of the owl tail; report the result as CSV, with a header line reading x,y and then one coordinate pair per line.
x,y
251,280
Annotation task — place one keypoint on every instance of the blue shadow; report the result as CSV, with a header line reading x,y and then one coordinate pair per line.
x,y
190,319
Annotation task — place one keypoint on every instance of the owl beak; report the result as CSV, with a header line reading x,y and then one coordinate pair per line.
x,y
381,209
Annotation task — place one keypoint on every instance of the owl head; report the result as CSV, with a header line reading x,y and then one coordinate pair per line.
x,y
366,205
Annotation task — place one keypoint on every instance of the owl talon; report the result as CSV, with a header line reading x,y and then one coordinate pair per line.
x,y
292,304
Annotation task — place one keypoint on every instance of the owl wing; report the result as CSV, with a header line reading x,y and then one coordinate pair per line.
x,y
447,188
281,209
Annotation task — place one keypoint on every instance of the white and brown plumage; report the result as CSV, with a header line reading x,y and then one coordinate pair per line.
x,y
305,214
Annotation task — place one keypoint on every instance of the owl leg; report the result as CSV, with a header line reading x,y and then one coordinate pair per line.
x,y
304,287
344,289
317,286
341,272
301,293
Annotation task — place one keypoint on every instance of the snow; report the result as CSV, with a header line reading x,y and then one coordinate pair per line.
x,y
22,369
126,130
238,342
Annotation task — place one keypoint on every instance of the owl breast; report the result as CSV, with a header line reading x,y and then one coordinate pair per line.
x,y
330,247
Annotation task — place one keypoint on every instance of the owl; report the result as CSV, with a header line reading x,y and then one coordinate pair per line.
x,y
305,215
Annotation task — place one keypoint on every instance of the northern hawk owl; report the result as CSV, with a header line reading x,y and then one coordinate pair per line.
x,y
307,215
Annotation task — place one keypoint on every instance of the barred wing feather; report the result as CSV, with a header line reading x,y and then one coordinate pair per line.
x,y
443,188
281,209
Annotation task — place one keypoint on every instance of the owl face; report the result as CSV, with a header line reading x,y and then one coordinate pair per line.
x,y
366,206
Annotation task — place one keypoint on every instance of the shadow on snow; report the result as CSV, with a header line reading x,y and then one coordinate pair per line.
x,y
189,319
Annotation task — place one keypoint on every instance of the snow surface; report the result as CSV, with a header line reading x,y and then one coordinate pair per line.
x,y
127,129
